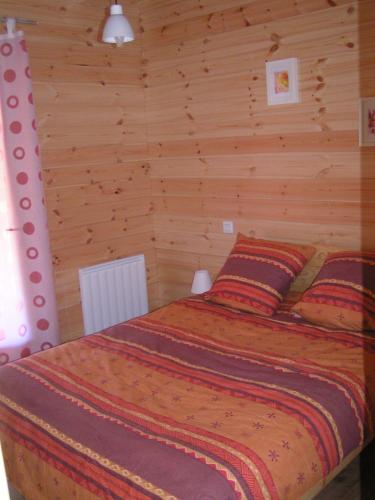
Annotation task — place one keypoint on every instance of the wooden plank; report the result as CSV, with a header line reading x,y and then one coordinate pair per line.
x,y
327,189
59,95
92,154
323,141
261,165
68,217
104,251
96,193
47,71
132,172
72,237
81,138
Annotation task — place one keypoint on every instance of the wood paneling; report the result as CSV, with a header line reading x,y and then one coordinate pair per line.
x,y
367,89
89,99
148,148
219,152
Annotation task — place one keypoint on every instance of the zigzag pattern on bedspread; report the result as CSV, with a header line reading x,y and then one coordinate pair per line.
x,y
192,401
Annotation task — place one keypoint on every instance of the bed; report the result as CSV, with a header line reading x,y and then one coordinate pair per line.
x,y
192,401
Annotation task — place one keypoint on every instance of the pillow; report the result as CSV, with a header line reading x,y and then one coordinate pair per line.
x,y
343,293
257,274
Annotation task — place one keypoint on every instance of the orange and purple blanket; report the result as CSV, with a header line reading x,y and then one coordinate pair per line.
x,y
193,401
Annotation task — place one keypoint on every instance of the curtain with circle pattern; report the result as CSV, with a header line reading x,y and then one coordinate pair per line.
x,y
28,316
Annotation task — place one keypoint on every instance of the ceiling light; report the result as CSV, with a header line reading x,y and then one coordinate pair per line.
x,y
117,28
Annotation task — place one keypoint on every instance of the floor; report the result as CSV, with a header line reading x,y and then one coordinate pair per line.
x,y
356,482
13,493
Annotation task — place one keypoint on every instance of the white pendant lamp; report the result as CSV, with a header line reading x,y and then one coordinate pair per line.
x,y
117,28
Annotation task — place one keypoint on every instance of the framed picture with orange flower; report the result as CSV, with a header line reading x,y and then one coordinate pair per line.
x,y
282,81
367,121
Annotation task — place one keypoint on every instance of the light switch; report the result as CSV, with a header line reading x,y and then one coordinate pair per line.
x,y
228,227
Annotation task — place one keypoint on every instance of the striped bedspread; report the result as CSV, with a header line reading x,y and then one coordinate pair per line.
x,y
193,401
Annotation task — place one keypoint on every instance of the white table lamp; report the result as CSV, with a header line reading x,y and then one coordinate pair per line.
x,y
201,282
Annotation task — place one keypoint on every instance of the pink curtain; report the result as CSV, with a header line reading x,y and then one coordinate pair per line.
x,y
28,317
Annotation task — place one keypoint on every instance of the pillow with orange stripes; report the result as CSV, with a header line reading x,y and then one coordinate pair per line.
x,y
343,293
257,274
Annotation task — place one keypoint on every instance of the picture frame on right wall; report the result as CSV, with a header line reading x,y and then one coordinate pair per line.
x,y
367,121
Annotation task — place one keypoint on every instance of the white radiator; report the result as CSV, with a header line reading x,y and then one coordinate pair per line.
x,y
113,292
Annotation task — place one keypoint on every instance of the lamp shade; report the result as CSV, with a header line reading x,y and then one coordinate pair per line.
x,y
201,282
117,28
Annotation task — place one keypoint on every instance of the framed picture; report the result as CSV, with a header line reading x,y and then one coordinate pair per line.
x,y
367,121
282,81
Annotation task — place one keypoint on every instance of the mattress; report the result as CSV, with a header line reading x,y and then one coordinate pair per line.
x,y
192,401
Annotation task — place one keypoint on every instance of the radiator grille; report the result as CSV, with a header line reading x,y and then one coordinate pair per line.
x,y
113,292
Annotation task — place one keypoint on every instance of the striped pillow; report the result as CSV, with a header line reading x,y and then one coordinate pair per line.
x,y
343,293
257,274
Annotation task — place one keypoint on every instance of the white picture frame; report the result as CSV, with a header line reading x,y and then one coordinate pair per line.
x,y
367,121
282,81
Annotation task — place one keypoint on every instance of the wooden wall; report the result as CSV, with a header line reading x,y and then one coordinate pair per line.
x,y
218,152
367,89
148,148
90,106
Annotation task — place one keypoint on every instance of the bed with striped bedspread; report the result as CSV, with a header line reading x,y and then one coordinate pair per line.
x,y
193,401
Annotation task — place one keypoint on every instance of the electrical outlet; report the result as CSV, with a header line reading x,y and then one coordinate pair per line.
x,y
228,227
